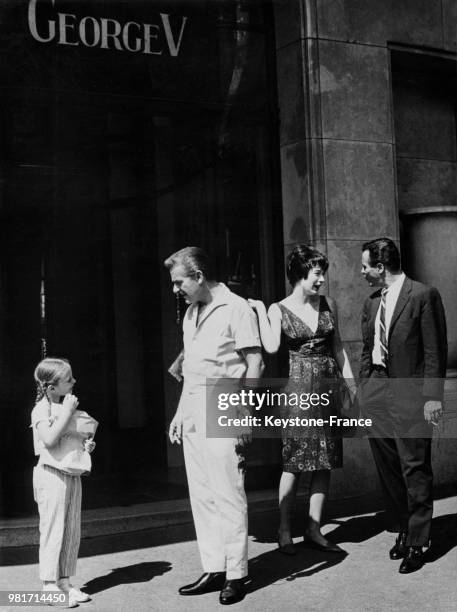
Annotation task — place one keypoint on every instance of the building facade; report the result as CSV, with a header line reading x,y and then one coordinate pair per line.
x,y
131,129
367,99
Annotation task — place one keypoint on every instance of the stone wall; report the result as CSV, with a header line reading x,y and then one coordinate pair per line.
x,y
338,152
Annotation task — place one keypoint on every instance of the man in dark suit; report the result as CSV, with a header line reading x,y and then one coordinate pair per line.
x,y
404,365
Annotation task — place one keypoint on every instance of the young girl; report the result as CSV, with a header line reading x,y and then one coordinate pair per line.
x,y
63,455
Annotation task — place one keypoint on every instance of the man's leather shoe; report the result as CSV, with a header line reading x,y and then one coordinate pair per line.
x,y
232,592
207,583
399,549
413,560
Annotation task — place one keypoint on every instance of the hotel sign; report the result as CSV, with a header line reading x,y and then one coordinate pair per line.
x,y
160,49
163,36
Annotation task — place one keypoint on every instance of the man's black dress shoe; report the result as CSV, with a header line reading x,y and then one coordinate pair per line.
x,y
207,583
399,549
232,592
414,560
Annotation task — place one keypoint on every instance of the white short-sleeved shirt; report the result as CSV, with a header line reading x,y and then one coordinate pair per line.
x,y
212,348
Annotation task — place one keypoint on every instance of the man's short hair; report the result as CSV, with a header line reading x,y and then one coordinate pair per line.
x,y
385,251
192,259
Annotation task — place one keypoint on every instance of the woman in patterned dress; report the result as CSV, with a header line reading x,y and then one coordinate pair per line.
x,y
308,324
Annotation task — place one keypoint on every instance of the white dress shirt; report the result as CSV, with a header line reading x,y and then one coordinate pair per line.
x,y
391,300
212,344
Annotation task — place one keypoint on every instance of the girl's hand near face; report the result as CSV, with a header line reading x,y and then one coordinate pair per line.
x,y
89,445
71,402
50,432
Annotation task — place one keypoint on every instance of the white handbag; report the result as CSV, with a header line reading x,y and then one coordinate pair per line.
x,y
68,455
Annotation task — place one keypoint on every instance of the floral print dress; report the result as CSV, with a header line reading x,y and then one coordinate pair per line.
x,y
312,369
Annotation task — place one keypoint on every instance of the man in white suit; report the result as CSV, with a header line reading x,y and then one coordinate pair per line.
x,y
221,341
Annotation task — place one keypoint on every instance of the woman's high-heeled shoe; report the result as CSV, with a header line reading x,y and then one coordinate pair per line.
x,y
327,547
286,549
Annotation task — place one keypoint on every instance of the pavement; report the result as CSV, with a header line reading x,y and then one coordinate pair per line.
x,y
142,570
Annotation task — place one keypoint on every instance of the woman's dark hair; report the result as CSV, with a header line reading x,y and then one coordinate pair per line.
x,y
192,259
301,260
383,250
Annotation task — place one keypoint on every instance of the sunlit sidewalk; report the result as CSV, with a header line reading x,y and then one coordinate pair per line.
x,y
144,575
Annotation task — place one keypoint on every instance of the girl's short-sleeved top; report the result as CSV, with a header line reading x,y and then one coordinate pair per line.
x,y
68,455
43,411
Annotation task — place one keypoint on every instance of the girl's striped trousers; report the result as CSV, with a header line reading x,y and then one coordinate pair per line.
x,y
58,496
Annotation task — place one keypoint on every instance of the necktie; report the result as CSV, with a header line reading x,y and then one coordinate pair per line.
x,y
382,328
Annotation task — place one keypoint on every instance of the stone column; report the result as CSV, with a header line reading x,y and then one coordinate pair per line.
x,y
337,157
338,147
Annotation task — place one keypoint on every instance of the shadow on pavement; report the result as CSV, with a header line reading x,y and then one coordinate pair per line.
x,y
444,537
356,529
272,566
140,572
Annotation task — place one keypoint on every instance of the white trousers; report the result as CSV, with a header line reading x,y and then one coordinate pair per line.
x,y
219,506
58,496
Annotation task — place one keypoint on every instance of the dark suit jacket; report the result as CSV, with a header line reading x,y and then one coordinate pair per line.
x,y
417,341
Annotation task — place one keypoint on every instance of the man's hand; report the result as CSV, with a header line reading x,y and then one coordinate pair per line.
x,y
175,431
433,411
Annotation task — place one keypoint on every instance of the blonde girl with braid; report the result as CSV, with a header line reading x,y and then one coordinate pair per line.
x,y
56,482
